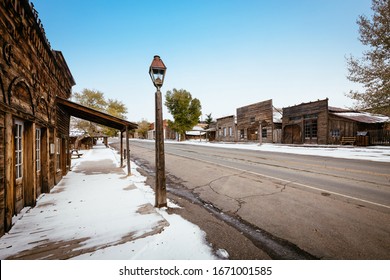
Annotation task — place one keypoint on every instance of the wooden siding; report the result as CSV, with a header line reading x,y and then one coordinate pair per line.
x,y
63,122
249,119
340,127
2,173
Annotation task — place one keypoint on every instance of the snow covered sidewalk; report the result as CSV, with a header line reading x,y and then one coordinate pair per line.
x,y
97,212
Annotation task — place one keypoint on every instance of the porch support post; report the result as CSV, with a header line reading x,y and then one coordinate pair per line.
x,y
121,148
260,133
128,152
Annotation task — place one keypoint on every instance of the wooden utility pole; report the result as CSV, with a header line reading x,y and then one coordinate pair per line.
x,y
157,73
161,192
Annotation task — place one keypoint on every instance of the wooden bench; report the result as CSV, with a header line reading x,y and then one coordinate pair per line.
x,y
348,139
76,152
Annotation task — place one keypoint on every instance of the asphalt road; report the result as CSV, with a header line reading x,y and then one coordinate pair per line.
x,y
327,207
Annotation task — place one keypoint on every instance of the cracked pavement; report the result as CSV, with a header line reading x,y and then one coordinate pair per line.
x,y
318,222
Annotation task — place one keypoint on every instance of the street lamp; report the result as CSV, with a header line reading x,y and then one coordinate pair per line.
x,y
157,73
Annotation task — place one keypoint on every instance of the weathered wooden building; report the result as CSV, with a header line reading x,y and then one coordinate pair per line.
x,y
32,75
258,120
318,123
35,83
226,129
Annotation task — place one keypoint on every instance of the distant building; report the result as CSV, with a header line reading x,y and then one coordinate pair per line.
x,y
226,129
198,132
168,133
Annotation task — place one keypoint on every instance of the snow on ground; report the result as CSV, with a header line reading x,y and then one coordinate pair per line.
x,y
103,205
100,206
373,153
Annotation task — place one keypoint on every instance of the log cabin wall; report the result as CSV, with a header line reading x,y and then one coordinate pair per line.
x,y
251,117
226,129
2,171
31,76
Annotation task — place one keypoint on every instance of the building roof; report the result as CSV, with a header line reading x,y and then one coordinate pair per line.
x,y
196,130
82,112
362,117
226,117
337,109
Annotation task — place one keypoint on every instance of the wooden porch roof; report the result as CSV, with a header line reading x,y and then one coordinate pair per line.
x,y
82,112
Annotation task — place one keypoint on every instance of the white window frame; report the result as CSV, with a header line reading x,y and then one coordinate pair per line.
x,y
58,153
38,143
18,138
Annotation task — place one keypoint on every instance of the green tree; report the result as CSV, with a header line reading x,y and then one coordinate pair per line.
x,y
143,128
184,109
92,99
373,69
117,109
95,99
209,120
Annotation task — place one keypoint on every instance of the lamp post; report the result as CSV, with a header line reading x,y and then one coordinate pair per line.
x,y
157,73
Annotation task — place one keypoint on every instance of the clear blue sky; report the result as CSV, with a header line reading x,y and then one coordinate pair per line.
x,y
227,53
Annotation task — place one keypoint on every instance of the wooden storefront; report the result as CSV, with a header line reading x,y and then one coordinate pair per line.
x,y
257,120
318,123
306,123
32,147
35,83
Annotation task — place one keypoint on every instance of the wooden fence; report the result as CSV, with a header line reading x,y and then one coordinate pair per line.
x,y
379,137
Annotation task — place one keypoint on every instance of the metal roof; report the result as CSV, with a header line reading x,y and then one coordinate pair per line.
x,y
362,117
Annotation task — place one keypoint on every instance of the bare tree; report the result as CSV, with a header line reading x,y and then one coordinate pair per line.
x,y
372,70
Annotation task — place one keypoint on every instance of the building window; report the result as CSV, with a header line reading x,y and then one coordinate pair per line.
x,y
335,133
311,129
58,153
296,118
264,132
310,125
38,148
242,134
252,120
310,116
19,149
224,132
230,131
